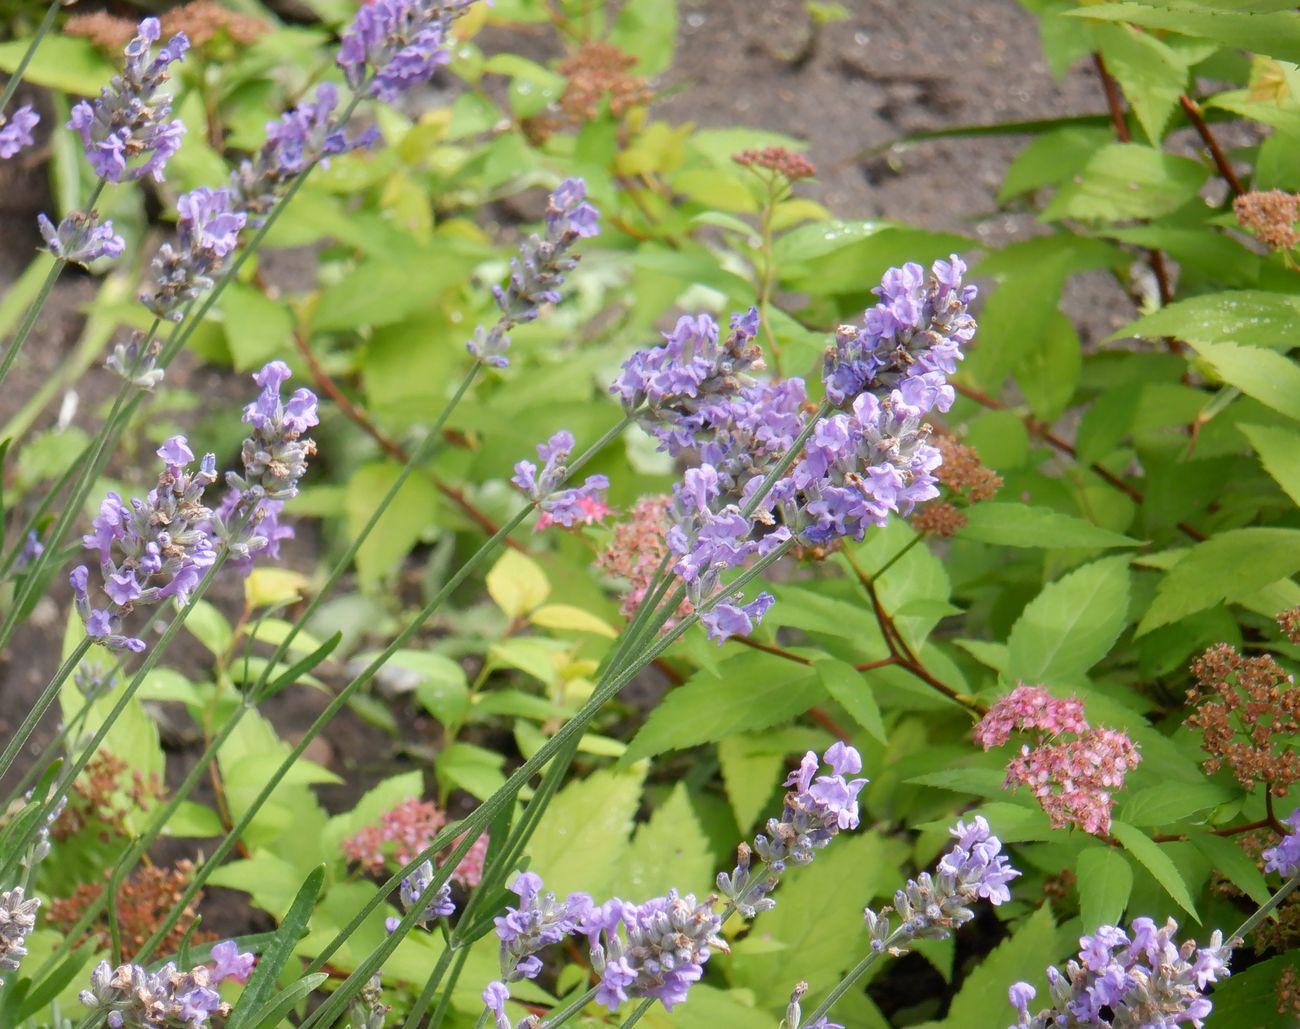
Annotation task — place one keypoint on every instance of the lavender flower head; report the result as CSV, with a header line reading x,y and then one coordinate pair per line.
x,y
136,361
437,904
299,139
16,131
129,995
126,131
149,550
17,920
917,328
537,274
656,949
1129,981
582,504
794,1014
81,238
931,907
1285,857
207,234
817,808
537,922
398,43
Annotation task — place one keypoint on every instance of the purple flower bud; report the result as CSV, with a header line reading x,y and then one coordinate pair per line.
x,y
397,44
207,233
80,238
16,132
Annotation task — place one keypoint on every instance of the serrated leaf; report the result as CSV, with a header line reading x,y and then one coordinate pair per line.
x,y
752,691
1249,998
1157,862
669,851
1227,857
851,691
1151,74
1279,453
517,584
583,838
1071,624
750,772
209,626
1169,802
1020,525
1265,319
1275,33
400,526
566,616
1127,180
1049,373
256,327
1271,378
1225,568
1105,882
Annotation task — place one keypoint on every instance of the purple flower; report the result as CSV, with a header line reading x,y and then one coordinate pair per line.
x,y
1285,857
207,233
539,921
275,454
229,963
1019,995
495,997
398,44
175,453
726,620
537,274
16,131
583,504
80,238
437,904
125,131
130,994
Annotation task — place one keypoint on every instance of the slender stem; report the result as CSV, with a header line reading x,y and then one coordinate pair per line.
x,y
638,1013
1193,110
858,971
444,1002
42,705
414,1016
766,277
29,318
1254,921
569,1010
17,77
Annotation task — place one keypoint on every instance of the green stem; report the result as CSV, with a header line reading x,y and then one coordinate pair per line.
x,y
857,972
444,1002
416,1014
29,318
1255,920
42,705
11,86
569,1010
638,1013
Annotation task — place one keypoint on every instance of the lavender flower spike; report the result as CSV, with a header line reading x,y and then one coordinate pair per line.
x,y
1122,980
132,996
537,922
794,1015
568,507
125,131
437,905
398,44
537,274
17,920
16,131
80,238
1285,857
208,232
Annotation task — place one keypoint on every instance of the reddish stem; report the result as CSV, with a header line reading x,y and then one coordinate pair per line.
x,y
1221,161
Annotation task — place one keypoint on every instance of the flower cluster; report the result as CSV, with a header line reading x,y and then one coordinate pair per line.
x,y
397,44
126,131
1073,780
208,232
200,20
136,361
539,921
637,551
962,474
1285,857
916,331
1248,712
656,949
415,890
575,505
786,163
932,906
17,920
537,274
80,238
1271,215
1126,981
815,811
409,828
149,550
16,131
130,995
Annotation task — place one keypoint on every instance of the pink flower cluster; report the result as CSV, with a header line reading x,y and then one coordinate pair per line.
x,y
1073,779
636,552
403,833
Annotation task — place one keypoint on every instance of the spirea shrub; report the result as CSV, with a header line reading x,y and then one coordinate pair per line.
x,y
869,611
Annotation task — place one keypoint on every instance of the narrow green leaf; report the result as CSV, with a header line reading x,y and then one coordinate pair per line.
x,y
276,956
1105,881
273,1013
1157,862
300,669
1271,378
1019,525
1279,453
851,691
1071,624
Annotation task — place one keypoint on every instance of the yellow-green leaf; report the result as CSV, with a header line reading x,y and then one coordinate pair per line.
x,y
271,585
566,616
517,584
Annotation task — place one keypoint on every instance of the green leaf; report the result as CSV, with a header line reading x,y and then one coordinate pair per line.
x,y
1226,856
1105,881
1225,568
1151,74
750,771
1016,319
848,688
1169,802
574,619
1276,34
276,956
1019,525
1052,158
257,328
751,691
1265,319
1249,999
1071,624
63,62
1157,862
517,584
209,626
1269,377
669,851
647,29
1279,453
399,528
1049,374
476,770
1127,180
583,839
273,1013
1021,958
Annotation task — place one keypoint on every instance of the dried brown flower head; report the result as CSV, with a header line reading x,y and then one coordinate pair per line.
x,y
597,70
938,519
778,159
200,20
1288,992
1290,623
103,796
636,552
143,903
1271,216
1248,711
962,471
